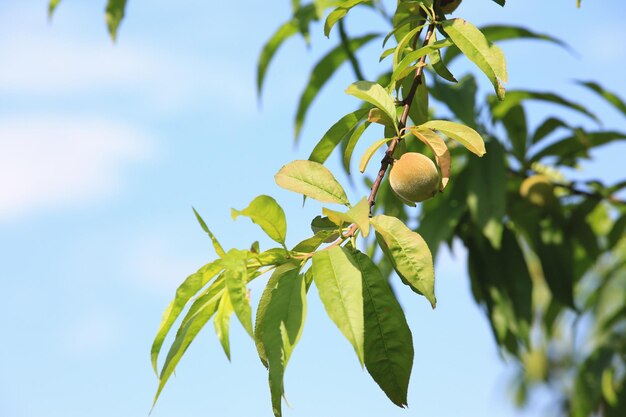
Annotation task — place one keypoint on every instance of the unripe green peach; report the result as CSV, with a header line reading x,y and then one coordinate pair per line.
x,y
538,190
414,177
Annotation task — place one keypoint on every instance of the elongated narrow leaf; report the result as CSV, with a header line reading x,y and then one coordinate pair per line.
x,y
338,281
495,33
259,329
311,244
547,127
339,13
216,244
268,214
284,32
466,136
500,108
359,215
283,323
409,254
403,43
190,287
460,98
376,95
222,323
610,97
369,152
191,326
336,134
487,57
437,62
322,72
213,294
114,14
577,145
388,340
411,57
439,148
52,5
311,179
351,144
236,278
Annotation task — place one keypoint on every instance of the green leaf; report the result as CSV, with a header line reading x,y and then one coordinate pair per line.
x,y
437,62
284,32
409,254
216,244
388,341
311,244
189,329
313,180
282,327
339,13
487,57
466,136
359,215
460,98
414,56
404,42
376,95
351,144
577,145
52,7
190,287
338,281
114,14
486,195
610,97
378,116
500,108
547,127
273,256
222,322
369,152
268,214
439,148
236,278
336,134
419,108
322,72
517,130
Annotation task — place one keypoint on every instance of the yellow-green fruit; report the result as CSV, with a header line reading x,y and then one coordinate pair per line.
x,y
538,190
448,6
414,177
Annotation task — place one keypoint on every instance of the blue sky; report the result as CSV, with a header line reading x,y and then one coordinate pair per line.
x,y
104,149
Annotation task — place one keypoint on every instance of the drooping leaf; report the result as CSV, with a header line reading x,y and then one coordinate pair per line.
x,y
336,134
339,284
313,180
369,152
409,254
439,148
190,287
284,32
486,192
190,327
322,72
351,144
388,340
500,108
437,62
236,279
465,135
268,214
216,244
376,95
404,42
610,97
339,13
359,215
488,58
114,14
414,56
52,5
283,323
222,323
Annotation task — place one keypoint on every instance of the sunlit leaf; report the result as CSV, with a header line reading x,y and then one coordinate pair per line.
x,y
437,62
388,340
114,14
190,287
369,152
52,7
339,284
411,57
268,214
236,279
465,135
439,148
322,72
351,144
216,244
359,215
409,254
488,57
222,322
313,180
336,134
339,13
376,95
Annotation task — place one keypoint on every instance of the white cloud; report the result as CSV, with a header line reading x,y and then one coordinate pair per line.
x,y
55,162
